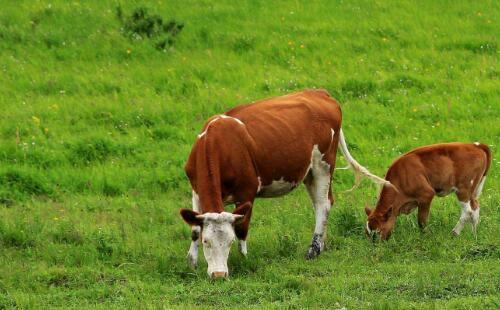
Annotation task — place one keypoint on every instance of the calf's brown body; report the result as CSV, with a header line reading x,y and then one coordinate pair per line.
x,y
425,172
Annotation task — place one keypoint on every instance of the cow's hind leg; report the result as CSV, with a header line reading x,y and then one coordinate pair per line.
x,y
192,255
318,186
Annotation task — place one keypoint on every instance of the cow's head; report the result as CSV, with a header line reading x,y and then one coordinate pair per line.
x,y
217,235
379,223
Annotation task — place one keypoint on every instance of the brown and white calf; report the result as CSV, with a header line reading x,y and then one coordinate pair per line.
x,y
419,175
262,149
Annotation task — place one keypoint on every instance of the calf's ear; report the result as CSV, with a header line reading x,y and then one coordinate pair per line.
x,y
368,211
241,212
191,217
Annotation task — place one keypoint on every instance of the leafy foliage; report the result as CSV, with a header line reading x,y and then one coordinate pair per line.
x,y
142,25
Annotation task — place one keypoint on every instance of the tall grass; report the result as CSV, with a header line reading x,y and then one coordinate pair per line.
x,y
97,122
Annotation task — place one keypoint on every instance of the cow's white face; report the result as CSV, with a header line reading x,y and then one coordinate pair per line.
x,y
217,237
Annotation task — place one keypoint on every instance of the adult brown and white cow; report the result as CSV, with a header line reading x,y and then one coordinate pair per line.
x,y
419,175
262,149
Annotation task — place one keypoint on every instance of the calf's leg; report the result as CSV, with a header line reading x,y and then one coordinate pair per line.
x,y
475,215
424,205
475,204
465,216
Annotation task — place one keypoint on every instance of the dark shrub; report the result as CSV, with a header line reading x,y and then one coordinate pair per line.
x,y
142,25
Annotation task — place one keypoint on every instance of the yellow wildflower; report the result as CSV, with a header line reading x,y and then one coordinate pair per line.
x,y
36,120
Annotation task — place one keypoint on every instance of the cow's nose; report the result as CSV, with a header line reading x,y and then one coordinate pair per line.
x,y
219,274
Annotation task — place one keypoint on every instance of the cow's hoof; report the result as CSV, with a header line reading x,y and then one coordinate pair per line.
x,y
313,252
242,248
315,247
192,261
455,232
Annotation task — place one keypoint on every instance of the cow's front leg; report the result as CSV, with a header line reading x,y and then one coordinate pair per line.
x,y
192,255
242,247
241,230
318,186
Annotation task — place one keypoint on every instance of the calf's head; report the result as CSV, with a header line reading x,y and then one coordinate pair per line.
x,y
217,235
379,223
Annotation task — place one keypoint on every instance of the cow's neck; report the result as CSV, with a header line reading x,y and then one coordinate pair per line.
x,y
208,179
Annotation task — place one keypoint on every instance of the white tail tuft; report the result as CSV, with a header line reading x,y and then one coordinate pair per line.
x,y
359,171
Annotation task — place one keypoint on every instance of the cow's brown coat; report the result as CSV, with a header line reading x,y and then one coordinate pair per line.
x,y
275,142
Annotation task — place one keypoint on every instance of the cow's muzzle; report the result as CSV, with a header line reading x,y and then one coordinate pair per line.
x,y
218,275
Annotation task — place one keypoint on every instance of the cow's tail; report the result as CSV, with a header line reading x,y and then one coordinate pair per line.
x,y
359,171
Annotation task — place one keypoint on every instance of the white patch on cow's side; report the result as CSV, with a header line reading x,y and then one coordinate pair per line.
x,y
479,188
259,186
465,216
277,188
318,188
237,120
333,134
242,247
192,255
218,235
477,143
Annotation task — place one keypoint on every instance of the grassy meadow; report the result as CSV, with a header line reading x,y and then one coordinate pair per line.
x,y
98,113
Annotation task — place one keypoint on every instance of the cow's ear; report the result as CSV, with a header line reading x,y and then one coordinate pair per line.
x,y
191,217
368,211
388,214
241,212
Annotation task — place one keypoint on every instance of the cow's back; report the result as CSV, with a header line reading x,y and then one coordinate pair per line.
x,y
285,130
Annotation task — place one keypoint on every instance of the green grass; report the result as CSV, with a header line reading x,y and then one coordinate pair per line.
x,y
95,129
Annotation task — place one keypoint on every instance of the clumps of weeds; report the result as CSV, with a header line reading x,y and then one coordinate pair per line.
x,y
68,233
358,88
481,251
96,149
287,245
18,235
404,82
347,223
17,185
107,243
142,25
474,47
